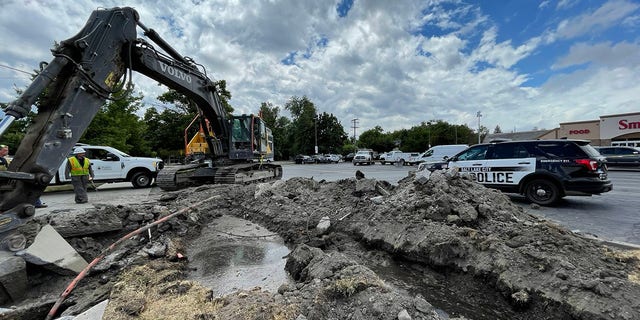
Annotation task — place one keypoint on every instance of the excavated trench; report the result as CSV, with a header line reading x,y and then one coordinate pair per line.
x,y
439,247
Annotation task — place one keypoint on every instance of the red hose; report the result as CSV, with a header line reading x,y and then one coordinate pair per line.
x,y
104,252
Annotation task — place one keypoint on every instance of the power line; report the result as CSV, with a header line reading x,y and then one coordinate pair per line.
x,y
14,69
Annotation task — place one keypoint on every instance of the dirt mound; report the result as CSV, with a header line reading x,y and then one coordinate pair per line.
x,y
458,243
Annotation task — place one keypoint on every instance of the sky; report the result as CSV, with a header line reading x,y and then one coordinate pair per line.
x,y
519,64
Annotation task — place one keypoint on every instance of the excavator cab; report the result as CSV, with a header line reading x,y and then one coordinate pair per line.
x,y
249,138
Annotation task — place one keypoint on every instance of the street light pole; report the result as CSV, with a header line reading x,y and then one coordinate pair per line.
x,y
479,115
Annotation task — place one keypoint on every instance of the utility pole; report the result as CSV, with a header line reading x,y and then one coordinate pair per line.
x,y
429,129
315,125
455,131
355,126
479,115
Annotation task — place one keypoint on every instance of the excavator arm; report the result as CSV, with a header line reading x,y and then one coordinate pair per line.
x,y
86,70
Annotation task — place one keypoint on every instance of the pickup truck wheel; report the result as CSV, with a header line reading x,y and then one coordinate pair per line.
x,y
141,180
542,192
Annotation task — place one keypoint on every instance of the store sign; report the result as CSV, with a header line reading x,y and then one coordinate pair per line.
x,y
624,124
612,126
580,131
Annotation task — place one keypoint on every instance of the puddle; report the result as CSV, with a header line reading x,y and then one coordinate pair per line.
x,y
233,254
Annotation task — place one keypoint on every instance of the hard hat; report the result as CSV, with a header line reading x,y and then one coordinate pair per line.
x,y
78,150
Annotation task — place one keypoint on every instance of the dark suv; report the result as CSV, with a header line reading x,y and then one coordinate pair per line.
x,y
621,156
542,170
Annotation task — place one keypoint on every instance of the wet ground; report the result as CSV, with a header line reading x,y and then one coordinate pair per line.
x,y
235,254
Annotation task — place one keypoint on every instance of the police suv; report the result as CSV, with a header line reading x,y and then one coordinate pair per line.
x,y
542,170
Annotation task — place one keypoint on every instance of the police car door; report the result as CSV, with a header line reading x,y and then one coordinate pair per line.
x,y
507,164
498,166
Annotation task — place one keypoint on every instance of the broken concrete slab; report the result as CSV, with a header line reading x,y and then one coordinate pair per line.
x,y
88,222
51,250
13,277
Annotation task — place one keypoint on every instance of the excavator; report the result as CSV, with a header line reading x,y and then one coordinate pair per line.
x,y
90,68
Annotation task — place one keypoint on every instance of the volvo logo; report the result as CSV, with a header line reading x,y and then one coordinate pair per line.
x,y
177,73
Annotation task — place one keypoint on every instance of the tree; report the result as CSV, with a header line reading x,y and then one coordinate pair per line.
x,y
331,134
165,131
497,129
301,137
117,125
279,126
375,139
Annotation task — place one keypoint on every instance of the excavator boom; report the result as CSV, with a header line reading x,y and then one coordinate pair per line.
x,y
87,69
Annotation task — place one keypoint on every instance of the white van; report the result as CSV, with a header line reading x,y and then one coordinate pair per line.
x,y
438,153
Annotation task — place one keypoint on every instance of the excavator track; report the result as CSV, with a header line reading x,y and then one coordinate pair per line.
x,y
174,178
180,177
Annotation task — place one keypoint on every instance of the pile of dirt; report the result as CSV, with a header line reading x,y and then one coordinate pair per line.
x,y
458,243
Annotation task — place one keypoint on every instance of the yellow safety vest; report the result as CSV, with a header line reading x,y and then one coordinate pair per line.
x,y
77,169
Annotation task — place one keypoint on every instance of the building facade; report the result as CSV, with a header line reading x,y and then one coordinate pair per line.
x,y
611,130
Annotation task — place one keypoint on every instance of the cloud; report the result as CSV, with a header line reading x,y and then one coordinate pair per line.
x,y
603,54
609,14
387,63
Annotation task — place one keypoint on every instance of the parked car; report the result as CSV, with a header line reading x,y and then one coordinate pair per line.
x,y
320,158
349,157
621,156
334,158
303,159
363,157
543,171
112,165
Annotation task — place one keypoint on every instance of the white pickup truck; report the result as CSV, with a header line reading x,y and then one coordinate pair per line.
x,y
363,157
112,165
398,156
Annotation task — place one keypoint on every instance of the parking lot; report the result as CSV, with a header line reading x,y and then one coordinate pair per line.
x,y
611,216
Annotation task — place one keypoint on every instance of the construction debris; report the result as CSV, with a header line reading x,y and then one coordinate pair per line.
x,y
434,246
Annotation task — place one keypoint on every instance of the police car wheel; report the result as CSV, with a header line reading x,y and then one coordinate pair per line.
x,y
542,192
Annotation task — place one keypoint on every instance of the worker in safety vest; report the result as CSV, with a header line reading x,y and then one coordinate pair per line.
x,y
80,171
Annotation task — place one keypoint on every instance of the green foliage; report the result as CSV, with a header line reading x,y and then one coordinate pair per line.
x,y
375,139
16,131
165,132
279,126
301,136
331,134
417,138
117,125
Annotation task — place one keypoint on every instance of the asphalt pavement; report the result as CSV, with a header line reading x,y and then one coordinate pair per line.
x,y
60,199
